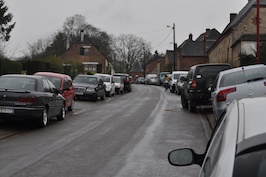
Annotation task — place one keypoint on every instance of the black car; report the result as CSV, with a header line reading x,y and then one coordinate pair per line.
x,y
195,89
127,81
27,97
89,87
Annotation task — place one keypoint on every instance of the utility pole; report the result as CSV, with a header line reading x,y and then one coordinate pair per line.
x,y
258,31
174,46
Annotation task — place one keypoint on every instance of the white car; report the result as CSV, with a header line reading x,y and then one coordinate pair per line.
x,y
119,84
237,147
236,83
174,79
109,83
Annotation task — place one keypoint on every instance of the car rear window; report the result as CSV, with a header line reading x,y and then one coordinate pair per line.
x,y
205,71
255,74
18,83
234,78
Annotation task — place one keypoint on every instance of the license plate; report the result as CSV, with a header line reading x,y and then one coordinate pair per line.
x,y
6,110
79,93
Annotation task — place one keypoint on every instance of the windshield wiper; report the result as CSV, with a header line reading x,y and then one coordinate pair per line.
x,y
256,79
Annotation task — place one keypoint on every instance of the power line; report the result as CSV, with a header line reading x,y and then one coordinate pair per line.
x,y
163,40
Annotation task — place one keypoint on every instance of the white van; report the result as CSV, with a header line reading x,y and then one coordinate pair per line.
x,y
174,79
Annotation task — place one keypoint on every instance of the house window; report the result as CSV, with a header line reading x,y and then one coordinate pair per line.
x,y
93,68
85,50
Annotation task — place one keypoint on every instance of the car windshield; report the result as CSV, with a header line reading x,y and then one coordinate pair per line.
x,y
55,80
106,78
18,83
117,80
86,79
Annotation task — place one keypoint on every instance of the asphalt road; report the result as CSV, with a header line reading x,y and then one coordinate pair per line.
x,y
127,135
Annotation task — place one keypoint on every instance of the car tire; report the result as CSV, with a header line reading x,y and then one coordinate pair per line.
x,y
191,107
62,114
94,99
71,107
43,121
184,101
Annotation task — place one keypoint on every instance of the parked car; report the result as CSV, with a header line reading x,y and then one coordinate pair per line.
x,y
148,76
161,76
29,97
64,84
175,79
119,85
246,81
237,146
195,89
127,82
153,80
89,87
109,83
140,80
180,84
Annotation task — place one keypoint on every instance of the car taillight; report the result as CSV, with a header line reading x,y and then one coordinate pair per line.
x,y
194,84
221,96
27,99
127,79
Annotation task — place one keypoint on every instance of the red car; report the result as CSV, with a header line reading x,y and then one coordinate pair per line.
x,y
63,83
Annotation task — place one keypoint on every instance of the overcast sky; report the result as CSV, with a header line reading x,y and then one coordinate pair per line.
x,y
37,19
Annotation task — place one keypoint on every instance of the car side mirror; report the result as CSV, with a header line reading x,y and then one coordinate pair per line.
x,y
185,157
210,89
183,79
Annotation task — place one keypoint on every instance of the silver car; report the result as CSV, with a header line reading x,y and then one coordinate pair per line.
x,y
237,147
246,81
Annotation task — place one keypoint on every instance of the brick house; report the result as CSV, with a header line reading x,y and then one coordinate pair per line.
x,y
136,71
239,36
89,56
192,52
153,66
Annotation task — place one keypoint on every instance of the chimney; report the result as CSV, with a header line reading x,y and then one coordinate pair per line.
x,y
232,16
82,36
190,37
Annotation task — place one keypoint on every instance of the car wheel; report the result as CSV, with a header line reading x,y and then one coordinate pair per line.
x,y
184,101
62,114
94,99
191,107
103,97
44,118
71,107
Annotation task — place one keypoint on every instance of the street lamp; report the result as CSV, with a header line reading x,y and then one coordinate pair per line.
x,y
174,45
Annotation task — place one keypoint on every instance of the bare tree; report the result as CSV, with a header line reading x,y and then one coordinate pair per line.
x,y
38,48
129,49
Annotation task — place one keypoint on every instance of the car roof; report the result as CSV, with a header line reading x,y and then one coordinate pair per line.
x,y
241,68
53,74
179,72
211,64
252,121
121,74
100,74
23,75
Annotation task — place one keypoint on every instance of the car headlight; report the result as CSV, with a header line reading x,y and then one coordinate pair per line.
x,y
90,90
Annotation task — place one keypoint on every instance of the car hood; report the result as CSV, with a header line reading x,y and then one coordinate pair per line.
x,y
76,84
